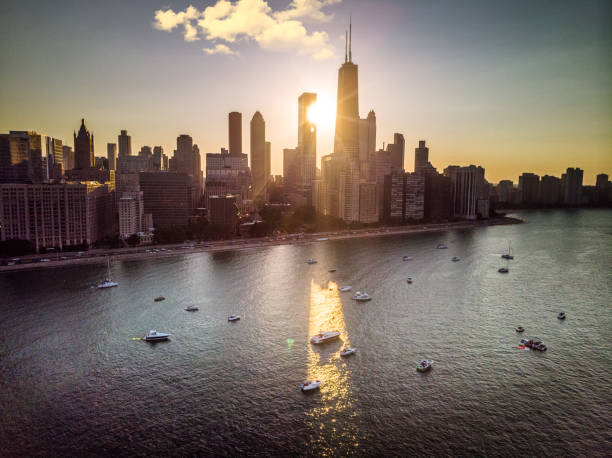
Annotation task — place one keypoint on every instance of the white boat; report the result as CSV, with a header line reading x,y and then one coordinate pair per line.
x,y
324,336
347,351
425,365
310,386
441,246
456,258
362,297
192,308
233,318
407,258
108,283
311,261
509,254
345,289
153,336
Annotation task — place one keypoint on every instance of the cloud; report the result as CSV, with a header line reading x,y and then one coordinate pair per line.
x,y
253,20
220,49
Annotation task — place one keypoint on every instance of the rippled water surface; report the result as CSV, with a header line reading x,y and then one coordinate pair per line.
x,y
73,380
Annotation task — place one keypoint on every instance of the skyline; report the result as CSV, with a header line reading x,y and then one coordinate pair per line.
x,y
463,117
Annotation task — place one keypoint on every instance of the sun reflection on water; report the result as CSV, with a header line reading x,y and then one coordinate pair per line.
x,y
334,414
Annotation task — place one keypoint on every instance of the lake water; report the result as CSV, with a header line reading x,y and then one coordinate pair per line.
x,y
74,382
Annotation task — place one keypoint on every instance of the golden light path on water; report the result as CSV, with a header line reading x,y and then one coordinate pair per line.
x,y
333,416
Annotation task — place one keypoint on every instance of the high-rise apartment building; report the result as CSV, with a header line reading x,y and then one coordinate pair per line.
x,y
125,144
167,197
83,148
67,157
367,147
158,158
571,186
529,187
397,150
307,145
504,191
223,210
235,132
421,157
469,192
228,174
550,190
131,214
111,155
259,157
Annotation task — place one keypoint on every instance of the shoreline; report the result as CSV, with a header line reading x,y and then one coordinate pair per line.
x,y
99,256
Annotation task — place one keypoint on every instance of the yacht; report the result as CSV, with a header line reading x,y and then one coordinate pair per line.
x,y
503,270
362,297
347,351
508,255
233,318
324,336
310,386
425,365
561,316
441,246
154,336
159,299
345,289
192,308
456,258
312,261
108,283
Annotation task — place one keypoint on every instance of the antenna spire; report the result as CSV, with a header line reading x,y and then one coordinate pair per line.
x,y
345,46
350,38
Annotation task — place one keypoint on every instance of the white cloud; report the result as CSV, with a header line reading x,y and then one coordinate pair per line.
x,y
254,20
220,49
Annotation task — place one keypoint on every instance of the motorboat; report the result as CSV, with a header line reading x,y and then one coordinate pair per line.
x,y
407,258
508,255
310,386
192,308
441,246
324,336
456,258
520,329
362,297
534,344
331,271
159,299
409,280
561,316
233,318
425,365
108,283
347,351
503,270
345,289
154,336
311,261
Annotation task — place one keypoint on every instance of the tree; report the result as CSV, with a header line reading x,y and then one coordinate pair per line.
x,y
133,240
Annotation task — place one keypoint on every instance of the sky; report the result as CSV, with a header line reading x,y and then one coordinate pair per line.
x,y
521,86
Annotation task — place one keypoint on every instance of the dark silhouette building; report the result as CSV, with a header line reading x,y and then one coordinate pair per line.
x,y
529,187
421,157
235,133
346,139
260,160
223,210
167,196
83,148
125,144
397,150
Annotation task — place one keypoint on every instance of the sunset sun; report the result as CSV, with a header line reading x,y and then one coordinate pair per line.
x,y
323,113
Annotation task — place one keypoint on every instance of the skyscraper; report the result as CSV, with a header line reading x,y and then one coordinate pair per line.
x,y
397,149
125,144
187,160
307,145
346,138
111,154
258,156
421,157
571,184
235,133
83,148
367,147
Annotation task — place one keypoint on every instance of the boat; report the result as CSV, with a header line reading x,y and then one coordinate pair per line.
x,y
347,351
520,329
425,365
362,297
508,255
561,315
108,283
331,271
441,246
534,344
310,386
407,258
159,299
192,308
345,289
503,270
154,336
324,336
233,318
311,261
456,258
409,280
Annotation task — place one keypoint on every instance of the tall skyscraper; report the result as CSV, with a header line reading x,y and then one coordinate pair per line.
x,y
258,156
83,148
235,133
469,197
367,147
307,145
346,138
158,158
397,149
187,160
529,187
571,184
125,144
68,157
421,157
111,154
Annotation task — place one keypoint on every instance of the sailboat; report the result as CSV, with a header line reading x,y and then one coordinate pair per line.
x,y
508,255
108,283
